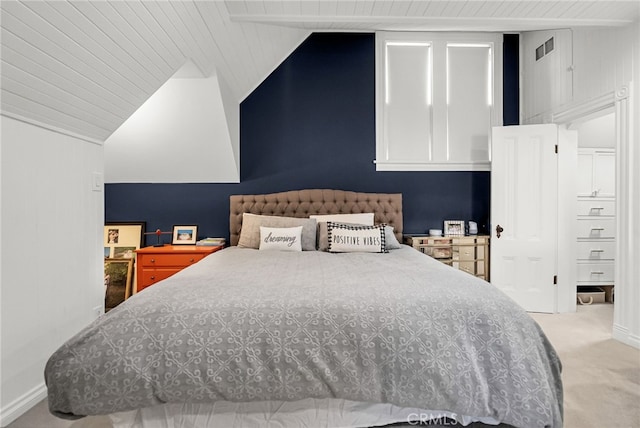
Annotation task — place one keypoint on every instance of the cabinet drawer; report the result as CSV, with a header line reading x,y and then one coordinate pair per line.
x,y
150,277
439,252
468,267
596,228
467,253
472,268
166,260
595,207
596,250
595,272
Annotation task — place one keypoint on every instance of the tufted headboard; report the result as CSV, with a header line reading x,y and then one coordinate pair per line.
x,y
387,207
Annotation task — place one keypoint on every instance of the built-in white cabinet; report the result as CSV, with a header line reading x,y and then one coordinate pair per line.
x,y
596,228
547,73
597,173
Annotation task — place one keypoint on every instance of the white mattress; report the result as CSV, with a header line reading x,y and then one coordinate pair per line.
x,y
316,413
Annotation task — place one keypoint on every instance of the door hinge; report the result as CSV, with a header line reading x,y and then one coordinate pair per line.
x,y
555,279
556,148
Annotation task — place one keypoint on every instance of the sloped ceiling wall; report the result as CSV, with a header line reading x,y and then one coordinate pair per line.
x,y
179,135
85,67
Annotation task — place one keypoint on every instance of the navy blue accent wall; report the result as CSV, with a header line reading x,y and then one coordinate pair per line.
x,y
510,80
310,124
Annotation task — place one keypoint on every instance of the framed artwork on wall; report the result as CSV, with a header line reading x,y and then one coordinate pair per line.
x,y
122,239
118,280
185,235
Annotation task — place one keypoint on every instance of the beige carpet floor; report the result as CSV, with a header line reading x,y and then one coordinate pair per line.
x,y
601,376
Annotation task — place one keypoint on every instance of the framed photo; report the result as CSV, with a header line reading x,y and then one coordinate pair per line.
x,y
122,239
185,235
454,228
118,281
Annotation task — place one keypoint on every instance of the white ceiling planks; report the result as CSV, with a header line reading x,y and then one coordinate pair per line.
x,y
424,15
86,66
246,54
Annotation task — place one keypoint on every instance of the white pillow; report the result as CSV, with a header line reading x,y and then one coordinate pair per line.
x,y
250,233
281,238
348,238
355,218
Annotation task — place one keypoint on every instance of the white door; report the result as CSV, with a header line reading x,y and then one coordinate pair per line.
x,y
524,214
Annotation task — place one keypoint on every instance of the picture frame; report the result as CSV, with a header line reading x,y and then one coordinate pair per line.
x,y
185,235
454,228
121,239
118,282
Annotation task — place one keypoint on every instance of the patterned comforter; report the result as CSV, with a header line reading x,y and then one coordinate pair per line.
x,y
246,325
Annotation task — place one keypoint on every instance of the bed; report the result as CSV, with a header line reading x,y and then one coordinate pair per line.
x,y
251,338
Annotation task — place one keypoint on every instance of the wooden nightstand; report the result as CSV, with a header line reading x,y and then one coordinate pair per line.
x,y
154,264
466,253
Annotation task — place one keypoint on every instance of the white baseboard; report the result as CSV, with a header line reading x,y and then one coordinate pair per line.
x,y
22,404
622,334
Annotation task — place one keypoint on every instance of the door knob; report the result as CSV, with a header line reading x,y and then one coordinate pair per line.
x,y
499,230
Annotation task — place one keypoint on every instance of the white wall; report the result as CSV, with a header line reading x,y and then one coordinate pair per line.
x,y
547,82
598,132
51,278
179,135
605,62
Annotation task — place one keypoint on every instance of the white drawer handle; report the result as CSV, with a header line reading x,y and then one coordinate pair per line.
x,y
597,273
597,251
597,208
597,228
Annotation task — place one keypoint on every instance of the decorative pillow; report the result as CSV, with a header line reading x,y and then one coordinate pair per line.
x,y
361,219
348,238
391,242
250,233
281,238
323,238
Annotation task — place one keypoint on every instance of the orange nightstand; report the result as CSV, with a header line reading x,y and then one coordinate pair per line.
x,y
154,264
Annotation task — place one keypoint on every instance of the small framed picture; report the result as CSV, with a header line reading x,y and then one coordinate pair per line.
x,y
122,239
454,228
185,235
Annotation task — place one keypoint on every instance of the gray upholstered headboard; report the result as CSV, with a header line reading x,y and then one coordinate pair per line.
x,y
387,207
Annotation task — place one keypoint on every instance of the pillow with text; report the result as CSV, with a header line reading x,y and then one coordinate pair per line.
x,y
348,238
281,238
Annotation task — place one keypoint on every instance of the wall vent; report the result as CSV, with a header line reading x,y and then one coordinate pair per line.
x,y
545,48
548,46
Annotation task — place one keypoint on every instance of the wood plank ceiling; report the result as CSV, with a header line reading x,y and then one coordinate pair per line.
x,y
85,66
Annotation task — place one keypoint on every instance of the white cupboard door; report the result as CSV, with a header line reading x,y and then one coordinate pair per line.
x,y
596,173
524,207
604,174
585,174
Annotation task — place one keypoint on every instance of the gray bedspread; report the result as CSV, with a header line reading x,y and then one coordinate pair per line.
x,y
248,325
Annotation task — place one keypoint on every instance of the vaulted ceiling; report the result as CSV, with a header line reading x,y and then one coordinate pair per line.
x,y
85,66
